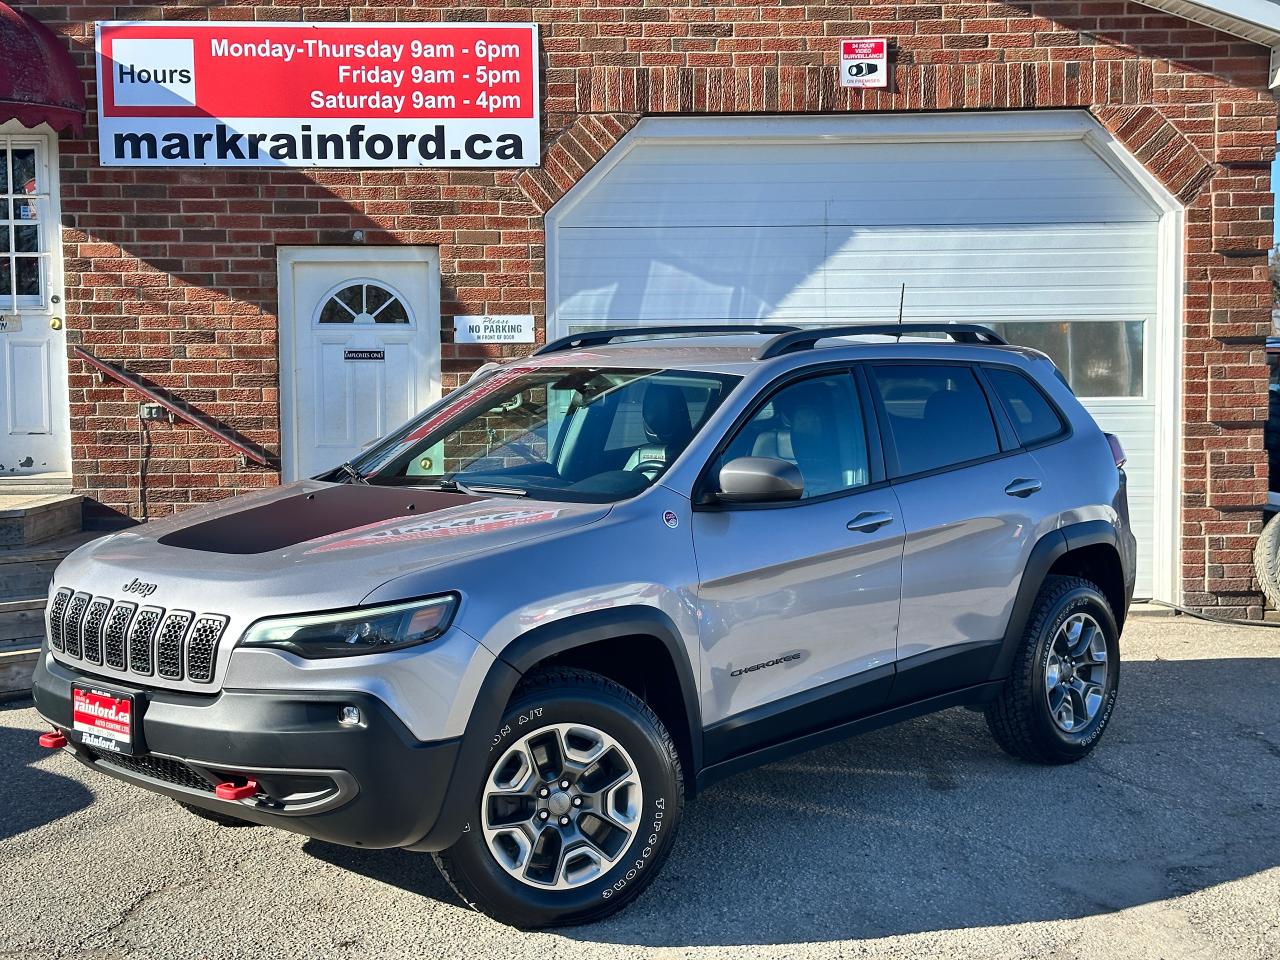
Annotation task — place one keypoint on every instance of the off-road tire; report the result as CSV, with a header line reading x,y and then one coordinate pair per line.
x,y
1266,561
564,695
215,816
1019,718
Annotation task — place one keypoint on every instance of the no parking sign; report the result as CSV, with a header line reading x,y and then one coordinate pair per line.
x,y
864,62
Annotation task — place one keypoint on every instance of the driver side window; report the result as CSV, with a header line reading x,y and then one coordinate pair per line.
x,y
816,424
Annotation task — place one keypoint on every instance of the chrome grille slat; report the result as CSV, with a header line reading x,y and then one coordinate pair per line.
x,y
72,623
169,644
94,620
145,641
202,647
57,613
141,638
113,644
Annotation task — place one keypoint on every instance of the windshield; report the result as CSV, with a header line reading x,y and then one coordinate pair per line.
x,y
553,433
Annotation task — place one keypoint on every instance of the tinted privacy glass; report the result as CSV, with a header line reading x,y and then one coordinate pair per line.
x,y
817,425
1034,418
938,415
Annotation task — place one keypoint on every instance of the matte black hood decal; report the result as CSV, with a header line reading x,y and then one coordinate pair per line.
x,y
308,516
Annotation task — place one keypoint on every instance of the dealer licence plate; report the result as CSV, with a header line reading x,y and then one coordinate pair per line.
x,y
104,720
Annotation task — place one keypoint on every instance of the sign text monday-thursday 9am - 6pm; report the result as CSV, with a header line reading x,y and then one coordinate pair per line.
x,y
318,95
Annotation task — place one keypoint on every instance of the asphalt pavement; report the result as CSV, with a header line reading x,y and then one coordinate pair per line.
x,y
922,840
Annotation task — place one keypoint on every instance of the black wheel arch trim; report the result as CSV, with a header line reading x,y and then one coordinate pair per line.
x,y
1047,551
523,654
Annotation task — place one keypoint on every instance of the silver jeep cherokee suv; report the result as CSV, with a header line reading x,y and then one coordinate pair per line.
x,y
522,630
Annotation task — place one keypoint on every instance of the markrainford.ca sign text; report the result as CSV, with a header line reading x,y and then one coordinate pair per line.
x,y
318,95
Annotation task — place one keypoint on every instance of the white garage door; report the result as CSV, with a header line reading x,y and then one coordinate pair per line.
x,y
1041,238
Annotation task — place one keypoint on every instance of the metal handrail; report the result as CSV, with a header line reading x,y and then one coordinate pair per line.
x,y
181,411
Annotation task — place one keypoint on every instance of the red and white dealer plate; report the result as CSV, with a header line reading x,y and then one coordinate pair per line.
x,y
103,720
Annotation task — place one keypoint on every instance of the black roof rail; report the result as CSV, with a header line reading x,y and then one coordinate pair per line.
x,y
595,338
806,339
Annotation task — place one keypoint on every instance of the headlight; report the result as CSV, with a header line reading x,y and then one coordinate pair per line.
x,y
357,632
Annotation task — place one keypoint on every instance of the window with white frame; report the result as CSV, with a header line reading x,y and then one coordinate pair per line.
x,y
25,234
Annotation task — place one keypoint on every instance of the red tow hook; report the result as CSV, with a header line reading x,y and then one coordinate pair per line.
x,y
231,791
53,740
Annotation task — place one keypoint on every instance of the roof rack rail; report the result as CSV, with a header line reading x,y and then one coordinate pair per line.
x,y
595,338
807,338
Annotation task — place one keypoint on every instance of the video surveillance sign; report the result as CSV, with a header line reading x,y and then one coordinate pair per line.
x,y
864,62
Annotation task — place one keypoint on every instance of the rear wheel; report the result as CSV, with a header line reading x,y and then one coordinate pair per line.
x,y
1065,677
579,807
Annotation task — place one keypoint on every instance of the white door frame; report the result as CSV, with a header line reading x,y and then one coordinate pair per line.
x,y
286,259
46,140
1019,125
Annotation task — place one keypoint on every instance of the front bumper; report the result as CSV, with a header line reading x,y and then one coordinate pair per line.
x,y
366,785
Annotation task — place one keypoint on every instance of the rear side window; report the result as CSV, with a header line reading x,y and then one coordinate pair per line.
x,y
938,415
1034,417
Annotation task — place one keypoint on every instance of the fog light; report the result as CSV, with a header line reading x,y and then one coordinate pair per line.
x,y
350,717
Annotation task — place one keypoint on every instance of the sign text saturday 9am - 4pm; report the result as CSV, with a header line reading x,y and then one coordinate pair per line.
x,y
316,95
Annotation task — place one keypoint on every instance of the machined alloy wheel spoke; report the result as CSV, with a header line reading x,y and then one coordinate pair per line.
x,y
1075,675
562,805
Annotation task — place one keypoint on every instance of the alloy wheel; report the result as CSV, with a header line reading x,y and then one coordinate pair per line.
x,y
1075,676
561,806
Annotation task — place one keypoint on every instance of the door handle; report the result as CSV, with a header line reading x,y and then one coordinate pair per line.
x,y
869,521
1023,487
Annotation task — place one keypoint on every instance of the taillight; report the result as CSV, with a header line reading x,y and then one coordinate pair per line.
x,y
1117,450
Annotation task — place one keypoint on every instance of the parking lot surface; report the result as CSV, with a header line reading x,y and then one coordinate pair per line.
x,y
922,840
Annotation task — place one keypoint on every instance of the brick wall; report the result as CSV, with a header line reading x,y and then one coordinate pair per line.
x,y
173,272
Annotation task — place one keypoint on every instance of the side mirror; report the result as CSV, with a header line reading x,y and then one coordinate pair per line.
x,y
759,480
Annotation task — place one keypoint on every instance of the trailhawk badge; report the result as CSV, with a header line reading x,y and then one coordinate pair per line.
x,y
670,519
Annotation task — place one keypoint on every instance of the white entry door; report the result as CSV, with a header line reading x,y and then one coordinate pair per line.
x,y
359,348
34,429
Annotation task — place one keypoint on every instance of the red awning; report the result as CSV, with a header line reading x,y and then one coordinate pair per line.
x,y
39,82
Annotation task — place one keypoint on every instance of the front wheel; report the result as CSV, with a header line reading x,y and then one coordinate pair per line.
x,y
1065,678
579,808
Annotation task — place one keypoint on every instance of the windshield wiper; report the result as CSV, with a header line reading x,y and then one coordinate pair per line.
x,y
353,475
451,485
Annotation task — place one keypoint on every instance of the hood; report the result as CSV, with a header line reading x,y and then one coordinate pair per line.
x,y
309,545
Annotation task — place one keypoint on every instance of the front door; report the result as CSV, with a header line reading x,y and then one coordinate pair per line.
x,y
359,348
34,429
799,600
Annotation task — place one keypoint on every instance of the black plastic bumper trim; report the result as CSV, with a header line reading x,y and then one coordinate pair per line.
x,y
398,785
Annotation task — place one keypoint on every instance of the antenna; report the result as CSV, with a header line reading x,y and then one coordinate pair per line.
x,y
902,296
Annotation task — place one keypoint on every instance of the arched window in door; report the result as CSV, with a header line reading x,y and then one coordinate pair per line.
x,y
363,302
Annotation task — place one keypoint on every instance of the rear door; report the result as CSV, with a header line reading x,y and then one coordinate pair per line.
x,y
799,601
968,495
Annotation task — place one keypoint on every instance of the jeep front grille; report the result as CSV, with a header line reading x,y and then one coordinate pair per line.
x,y
175,644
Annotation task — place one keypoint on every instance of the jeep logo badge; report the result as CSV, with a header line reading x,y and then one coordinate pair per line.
x,y
140,588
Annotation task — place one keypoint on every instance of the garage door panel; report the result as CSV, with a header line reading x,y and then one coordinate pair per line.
x,y
776,184
657,274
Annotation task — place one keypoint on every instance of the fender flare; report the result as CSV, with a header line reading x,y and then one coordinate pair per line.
x,y
523,654
1044,554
